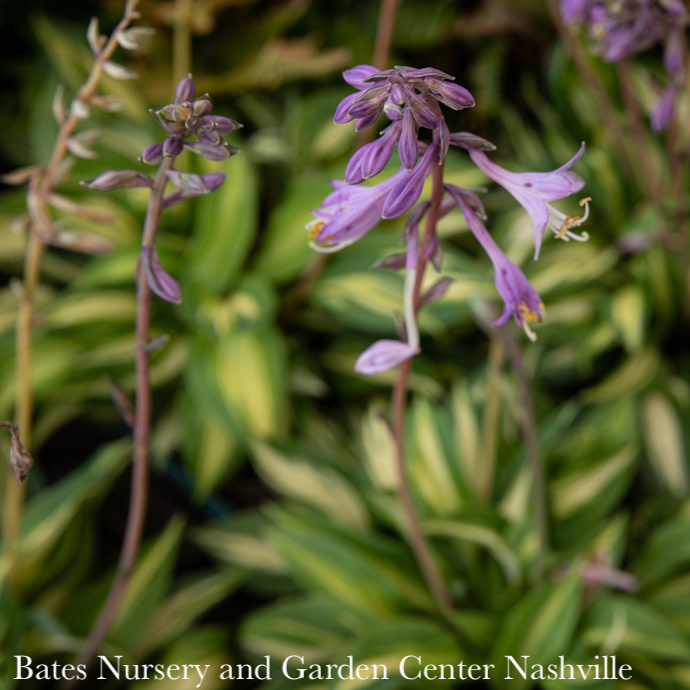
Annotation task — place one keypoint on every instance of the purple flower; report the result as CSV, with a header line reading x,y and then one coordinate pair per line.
x,y
347,214
662,113
409,187
409,98
534,190
521,300
351,211
370,159
382,356
621,29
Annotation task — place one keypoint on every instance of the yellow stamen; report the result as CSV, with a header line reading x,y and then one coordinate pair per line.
x,y
574,221
315,228
529,316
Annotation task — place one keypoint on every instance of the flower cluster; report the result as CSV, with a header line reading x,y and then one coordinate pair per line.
x,y
621,29
188,117
190,126
410,99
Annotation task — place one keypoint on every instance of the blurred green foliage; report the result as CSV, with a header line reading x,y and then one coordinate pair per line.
x,y
274,526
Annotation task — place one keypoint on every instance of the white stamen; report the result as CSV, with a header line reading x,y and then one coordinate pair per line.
x,y
560,224
330,248
528,331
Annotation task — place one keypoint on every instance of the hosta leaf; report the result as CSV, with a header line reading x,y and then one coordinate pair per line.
x,y
589,486
673,600
178,612
81,308
318,486
285,250
663,434
312,625
49,513
632,376
369,573
469,532
540,625
628,316
246,548
431,467
224,228
249,370
667,550
379,450
148,584
627,625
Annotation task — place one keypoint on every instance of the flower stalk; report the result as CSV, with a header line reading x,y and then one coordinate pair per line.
x,y
416,535
411,100
42,182
190,126
142,432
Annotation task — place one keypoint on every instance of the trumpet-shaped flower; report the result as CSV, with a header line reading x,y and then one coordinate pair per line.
x,y
521,300
351,211
533,190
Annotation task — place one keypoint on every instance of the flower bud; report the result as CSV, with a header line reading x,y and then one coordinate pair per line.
x,y
152,154
383,355
172,147
224,125
212,153
202,105
197,184
118,179
135,38
163,284
186,90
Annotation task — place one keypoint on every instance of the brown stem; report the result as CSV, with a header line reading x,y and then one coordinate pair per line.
x,y
382,50
142,433
418,541
40,188
384,33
